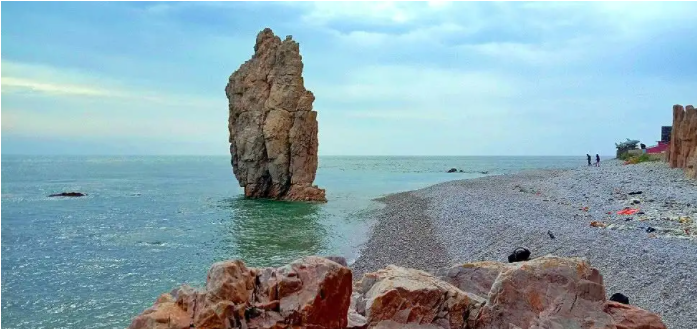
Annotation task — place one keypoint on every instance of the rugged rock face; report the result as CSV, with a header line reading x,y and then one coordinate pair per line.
x,y
273,129
683,140
547,292
312,292
397,296
315,292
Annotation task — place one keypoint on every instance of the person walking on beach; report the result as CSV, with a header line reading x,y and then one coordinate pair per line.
x,y
597,160
589,159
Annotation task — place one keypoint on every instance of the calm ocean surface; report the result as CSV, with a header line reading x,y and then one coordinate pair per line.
x,y
149,224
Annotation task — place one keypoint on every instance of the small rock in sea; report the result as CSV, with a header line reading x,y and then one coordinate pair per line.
x,y
635,193
484,172
462,170
628,219
650,229
452,170
635,201
551,236
68,194
620,298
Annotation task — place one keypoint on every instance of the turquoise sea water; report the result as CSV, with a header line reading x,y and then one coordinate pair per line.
x,y
149,224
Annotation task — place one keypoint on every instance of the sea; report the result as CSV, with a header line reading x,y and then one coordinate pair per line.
x,y
151,223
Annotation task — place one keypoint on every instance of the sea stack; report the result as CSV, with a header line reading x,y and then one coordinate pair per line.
x,y
273,129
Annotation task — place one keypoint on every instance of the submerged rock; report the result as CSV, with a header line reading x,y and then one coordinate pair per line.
x,y
273,129
67,194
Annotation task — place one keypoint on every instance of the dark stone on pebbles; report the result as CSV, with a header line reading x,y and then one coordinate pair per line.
x,y
620,298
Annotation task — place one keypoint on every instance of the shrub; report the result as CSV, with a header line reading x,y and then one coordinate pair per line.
x,y
625,156
639,159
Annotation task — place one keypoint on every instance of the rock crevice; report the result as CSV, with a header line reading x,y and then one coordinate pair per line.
x,y
273,129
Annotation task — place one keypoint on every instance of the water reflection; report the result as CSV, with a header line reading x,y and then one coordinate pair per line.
x,y
271,233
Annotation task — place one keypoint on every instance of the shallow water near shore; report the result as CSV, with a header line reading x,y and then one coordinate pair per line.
x,y
149,224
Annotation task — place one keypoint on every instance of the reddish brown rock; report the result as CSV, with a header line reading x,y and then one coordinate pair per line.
x,y
397,297
682,152
315,292
164,314
631,317
273,129
547,292
475,278
312,292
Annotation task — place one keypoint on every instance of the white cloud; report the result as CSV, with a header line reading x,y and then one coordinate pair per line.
x,y
10,85
43,80
86,124
420,85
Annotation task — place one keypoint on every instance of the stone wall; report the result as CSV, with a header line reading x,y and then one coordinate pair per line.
x,y
682,152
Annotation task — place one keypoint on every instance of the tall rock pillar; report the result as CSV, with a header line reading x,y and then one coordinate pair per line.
x,y
273,129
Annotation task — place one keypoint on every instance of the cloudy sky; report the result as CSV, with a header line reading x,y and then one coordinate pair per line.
x,y
399,78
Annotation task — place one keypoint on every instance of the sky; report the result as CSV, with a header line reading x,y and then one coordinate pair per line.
x,y
390,78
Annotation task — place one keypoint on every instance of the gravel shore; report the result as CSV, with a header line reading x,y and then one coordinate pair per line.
x,y
650,256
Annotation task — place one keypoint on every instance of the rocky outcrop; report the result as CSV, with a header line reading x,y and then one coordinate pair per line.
x,y
682,152
312,292
273,129
315,292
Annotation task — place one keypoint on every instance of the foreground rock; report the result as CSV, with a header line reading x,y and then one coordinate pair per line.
x,y
314,292
273,129
67,194
683,140
397,295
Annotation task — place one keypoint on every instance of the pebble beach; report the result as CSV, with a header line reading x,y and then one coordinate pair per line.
x,y
649,255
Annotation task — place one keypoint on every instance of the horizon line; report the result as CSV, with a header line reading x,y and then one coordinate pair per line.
x,y
321,155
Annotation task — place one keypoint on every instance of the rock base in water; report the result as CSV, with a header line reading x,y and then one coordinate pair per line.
x,y
316,292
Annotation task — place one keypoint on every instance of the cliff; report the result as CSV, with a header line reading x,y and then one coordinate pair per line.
x,y
682,152
273,129
316,292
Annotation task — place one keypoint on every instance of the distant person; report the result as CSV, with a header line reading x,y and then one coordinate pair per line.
x,y
589,159
597,160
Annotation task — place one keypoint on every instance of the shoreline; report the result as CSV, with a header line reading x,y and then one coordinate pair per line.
x,y
486,218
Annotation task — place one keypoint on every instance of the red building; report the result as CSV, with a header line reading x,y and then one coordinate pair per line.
x,y
660,148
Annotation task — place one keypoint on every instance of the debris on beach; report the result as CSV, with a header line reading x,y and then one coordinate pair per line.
x,y
598,224
628,211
